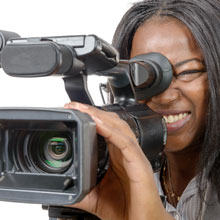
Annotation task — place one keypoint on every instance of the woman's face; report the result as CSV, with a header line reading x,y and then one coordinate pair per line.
x,y
184,103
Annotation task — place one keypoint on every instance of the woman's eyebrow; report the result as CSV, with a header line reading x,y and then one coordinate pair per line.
x,y
186,61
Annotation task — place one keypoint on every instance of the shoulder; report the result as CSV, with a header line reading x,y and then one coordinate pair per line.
x,y
211,205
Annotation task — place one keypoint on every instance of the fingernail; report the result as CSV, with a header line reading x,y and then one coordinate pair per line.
x,y
77,105
66,105
72,105
83,106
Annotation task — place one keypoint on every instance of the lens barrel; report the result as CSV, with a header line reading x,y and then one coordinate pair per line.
x,y
43,151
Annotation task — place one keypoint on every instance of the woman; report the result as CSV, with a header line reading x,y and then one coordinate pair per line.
x,y
187,32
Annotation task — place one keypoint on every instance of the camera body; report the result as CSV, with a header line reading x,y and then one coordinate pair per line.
x,y
54,156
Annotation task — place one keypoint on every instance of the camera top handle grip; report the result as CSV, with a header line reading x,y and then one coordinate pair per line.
x,y
75,57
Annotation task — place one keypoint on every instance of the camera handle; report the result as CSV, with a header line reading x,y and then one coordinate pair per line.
x,y
65,213
77,89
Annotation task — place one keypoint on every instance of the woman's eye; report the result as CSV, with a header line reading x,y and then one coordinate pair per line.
x,y
189,75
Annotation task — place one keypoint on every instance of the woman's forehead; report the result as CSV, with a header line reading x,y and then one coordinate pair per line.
x,y
167,36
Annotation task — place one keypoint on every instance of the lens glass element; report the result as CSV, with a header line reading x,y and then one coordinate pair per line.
x,y
51,151
58,147
57,152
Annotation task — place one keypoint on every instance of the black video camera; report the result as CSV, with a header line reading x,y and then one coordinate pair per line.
x,y
52,156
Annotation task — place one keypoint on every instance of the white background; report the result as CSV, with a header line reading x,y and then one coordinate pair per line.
x,y
31,18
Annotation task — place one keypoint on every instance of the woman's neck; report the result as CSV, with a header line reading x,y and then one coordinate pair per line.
x,y
180,168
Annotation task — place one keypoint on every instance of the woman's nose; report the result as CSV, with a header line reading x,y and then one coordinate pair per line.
x,y
169,96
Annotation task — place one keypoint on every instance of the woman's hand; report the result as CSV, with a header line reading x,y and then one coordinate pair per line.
x,y
128,189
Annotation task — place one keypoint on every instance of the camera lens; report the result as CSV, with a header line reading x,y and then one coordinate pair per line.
x,y
44,151
57,152
58,148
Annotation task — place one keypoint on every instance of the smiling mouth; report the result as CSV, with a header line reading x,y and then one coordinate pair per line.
x,y
175,118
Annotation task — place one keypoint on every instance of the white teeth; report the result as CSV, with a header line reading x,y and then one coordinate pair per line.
x,y
174,118
180,116
170,119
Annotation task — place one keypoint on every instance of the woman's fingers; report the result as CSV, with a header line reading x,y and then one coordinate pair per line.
x,y
98,114
119,137
111,127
